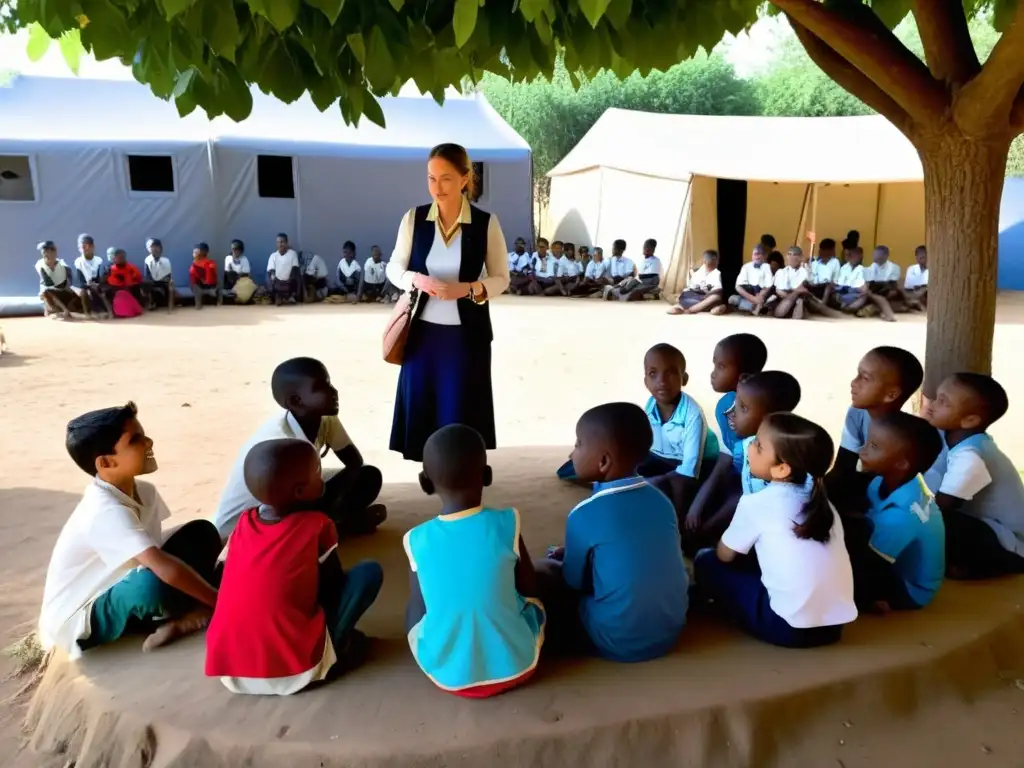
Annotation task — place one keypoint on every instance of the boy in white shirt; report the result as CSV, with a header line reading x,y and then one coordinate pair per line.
x,y
703,292
850,286
55,283
516,255
522,277
314,279
881,279
754,284
90,277
824,272
620,266
790,284
236,265
111,569
157,272
375,282
915,285
567,273
647,281
350,273
283,272
544,268
595,275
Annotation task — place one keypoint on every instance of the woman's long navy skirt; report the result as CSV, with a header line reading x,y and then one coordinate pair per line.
x,y
445,379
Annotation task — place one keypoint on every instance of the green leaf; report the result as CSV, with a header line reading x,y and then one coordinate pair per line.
x,y
234,93
892,12
379,68
220,26
183,81
38,42
357,46
330,8
185,104
282,13
532,8
1003,13
594,10
464,20
323,93
373,111
397,4
618,13
71,49
173,8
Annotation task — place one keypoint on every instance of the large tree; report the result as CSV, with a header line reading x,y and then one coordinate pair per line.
x,y
961,115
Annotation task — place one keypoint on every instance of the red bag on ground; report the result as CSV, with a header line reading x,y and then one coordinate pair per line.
x,y
126,305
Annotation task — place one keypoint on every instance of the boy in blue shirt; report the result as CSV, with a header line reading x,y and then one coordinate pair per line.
x,y
898,551
735,356
621,561
980,491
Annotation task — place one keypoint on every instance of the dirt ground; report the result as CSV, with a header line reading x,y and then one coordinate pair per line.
x,y
201,382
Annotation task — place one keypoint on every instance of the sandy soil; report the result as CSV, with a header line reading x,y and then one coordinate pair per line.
x,y
201,382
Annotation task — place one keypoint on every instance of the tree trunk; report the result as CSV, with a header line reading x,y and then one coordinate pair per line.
x,y
963,184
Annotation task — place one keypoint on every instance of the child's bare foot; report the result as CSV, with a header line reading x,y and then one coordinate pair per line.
x,y
721,309
175,629
676,310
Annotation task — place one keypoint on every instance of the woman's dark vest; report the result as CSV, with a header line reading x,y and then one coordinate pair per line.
x,y
475,318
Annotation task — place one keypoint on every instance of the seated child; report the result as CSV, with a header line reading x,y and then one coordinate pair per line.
x,y
350,273
236,265
915,284
735,357
800,592
112,571
202,276
474,624
59,300
124,276
754,284
283,272
886,378
790,285
567,273
521,277
286,612
824,273
519,250
620,266
90,275
309,403
375,281
850,287
898,550
647,281
703,291
158,275
619,585
595,275
881,279
980,491
544,268
314,279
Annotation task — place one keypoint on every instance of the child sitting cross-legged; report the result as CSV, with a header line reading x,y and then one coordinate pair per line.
x,y
286,612
112,571
309,403
898,548
474,625
799,593
978,488
757,395
735,356
619,585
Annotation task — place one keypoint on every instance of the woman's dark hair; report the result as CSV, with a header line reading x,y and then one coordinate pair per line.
x,y
95,434
456,155
808,450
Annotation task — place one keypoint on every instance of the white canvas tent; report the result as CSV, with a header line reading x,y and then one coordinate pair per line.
x,y
79,141
637,175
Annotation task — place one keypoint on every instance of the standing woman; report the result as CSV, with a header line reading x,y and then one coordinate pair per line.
x,y
455,256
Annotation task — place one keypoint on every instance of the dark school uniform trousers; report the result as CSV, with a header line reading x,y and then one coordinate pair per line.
x,y
738,593
348,493
874,578
344,597
564,633
138,599
973,551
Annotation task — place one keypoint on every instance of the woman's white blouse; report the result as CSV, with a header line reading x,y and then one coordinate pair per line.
x,y
444,262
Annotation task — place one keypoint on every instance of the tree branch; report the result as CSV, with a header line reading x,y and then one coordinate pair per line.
x,y
1017,114
850,78
947,40
986,103
858,36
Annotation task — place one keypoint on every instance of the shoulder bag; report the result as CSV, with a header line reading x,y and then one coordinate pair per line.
x,y
396,332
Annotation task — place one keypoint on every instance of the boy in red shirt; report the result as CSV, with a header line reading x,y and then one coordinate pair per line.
x,y
124,276
202,275
286,611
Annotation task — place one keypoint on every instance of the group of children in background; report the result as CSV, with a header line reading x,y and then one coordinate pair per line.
x,y
117,288
797,286
790,539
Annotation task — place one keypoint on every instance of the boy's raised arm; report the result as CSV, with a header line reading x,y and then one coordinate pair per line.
x,y
174,573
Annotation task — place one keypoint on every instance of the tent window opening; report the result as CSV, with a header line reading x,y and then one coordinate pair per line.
x,y
16,182
478,181
274,176
150,173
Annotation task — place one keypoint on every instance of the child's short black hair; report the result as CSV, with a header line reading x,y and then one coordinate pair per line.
x,y
651,242
989,394
775,257
907,367
96,433
557,242
671,352
921,438
750,352
827,244
282,236
348,245
624,427
454,457
542,241
710,253
780,390
290,375
768,241
272,468
620,244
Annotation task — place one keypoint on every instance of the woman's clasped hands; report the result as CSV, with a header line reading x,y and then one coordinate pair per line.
x,y
440,289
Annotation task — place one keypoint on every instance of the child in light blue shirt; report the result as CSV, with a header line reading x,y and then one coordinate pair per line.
x,y
735,357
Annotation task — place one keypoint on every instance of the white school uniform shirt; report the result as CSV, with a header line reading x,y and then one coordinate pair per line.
x,y
525,262
282,264
596,270
651,266
317,267
348,269
809,584
240,267
374,272
96,548
59,274
92,268
545,266
567,267
916,277
236,496
620,267
823,273
444,262
789,279
705,280
851,276
887,272
159,269
759,277
514,259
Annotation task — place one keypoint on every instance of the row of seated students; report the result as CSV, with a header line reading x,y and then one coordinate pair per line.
x,y
93,287
787,544
827,285
564,270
